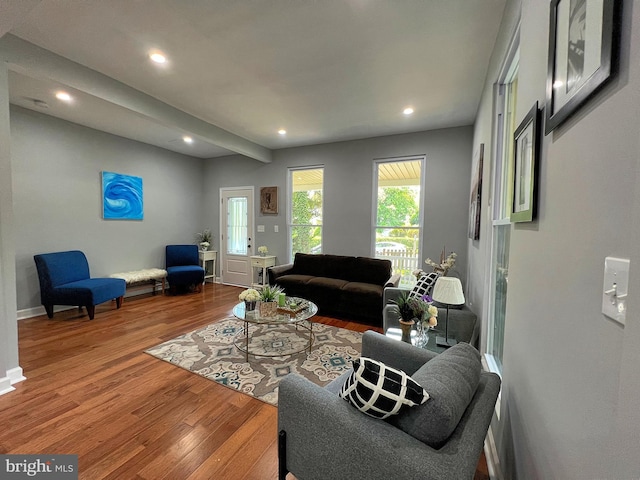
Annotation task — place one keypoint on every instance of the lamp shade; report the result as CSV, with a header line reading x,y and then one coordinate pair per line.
x,y
448,290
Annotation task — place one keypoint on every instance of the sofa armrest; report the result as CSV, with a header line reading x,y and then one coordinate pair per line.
x,y
326,437
393,281
278,271
391,294
400,355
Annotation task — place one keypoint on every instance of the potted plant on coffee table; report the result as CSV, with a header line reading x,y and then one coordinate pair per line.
x,y
268,306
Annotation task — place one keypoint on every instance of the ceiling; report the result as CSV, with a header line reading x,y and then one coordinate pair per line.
x,y
238,71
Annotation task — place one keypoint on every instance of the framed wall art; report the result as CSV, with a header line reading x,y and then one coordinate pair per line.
x,y
526,151
582,54
122,197
475,202
269,200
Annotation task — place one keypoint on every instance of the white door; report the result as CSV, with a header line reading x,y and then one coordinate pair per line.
x,y
236,218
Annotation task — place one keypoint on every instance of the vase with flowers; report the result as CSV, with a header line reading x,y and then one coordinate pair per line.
x,y
249,296
418,311
445,264
269,296
262,250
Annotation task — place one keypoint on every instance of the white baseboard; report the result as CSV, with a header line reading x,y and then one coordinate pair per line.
x,y
15,375
5,385
491,454
37,311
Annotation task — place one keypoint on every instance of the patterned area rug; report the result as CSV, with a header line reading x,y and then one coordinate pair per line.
x,y
211,353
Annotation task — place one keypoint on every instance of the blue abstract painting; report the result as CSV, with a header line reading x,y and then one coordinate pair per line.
x,y
122,197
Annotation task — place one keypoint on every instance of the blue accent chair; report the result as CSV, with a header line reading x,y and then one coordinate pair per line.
x,y
64,280
183,266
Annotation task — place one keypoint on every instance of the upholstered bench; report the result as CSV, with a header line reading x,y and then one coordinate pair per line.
x,y
140,278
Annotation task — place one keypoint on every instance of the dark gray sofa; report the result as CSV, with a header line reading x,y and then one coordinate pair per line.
x,y
342,286
322,436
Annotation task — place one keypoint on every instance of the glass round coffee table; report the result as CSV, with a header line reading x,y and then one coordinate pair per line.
x,y
301,323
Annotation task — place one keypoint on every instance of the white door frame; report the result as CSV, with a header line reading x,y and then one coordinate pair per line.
x,y
250,232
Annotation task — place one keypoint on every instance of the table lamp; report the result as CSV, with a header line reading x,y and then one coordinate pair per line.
x,y
447,290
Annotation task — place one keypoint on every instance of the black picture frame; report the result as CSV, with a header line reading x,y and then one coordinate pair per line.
x,y
582,55
526,157
475,201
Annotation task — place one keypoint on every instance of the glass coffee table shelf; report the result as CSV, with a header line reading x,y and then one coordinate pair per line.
x,y
301,324
431,344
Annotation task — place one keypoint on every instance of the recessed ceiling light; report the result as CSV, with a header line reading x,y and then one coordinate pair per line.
x,y
157,57
282,131
187,139
64,96
408,111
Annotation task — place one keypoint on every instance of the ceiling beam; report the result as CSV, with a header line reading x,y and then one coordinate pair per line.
x,y
31,60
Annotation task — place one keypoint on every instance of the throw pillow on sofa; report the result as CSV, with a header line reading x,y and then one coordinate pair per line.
x,y
425,285
451,379
379,390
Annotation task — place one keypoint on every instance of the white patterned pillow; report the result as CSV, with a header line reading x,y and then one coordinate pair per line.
x,y
381,391
425,285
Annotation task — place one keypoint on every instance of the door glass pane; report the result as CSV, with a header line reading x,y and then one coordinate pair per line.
x,y
397,232
237,222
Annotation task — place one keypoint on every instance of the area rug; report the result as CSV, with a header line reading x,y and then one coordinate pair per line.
x,y
211,353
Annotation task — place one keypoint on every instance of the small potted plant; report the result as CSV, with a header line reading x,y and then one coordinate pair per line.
x,y
262,250
249,296
269,296
204,239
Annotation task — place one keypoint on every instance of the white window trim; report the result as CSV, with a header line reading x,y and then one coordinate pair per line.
x,y
290,171
374,196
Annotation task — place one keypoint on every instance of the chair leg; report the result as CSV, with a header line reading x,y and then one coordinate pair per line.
x,y
282,455
49,310
119,301
91,310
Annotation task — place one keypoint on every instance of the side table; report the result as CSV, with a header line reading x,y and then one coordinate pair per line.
x,y
208,256
260,262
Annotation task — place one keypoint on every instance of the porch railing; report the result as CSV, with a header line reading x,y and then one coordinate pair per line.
x,y
402,261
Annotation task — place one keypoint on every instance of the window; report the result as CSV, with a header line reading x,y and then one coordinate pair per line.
x,y
505,108
305,209
397,224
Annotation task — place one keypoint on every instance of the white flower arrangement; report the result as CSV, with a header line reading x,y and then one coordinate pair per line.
x,y
445,264
249,295
262,250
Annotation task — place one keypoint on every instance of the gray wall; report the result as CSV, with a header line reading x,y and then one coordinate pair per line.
x,y
571,383
348,185
8,327
57,198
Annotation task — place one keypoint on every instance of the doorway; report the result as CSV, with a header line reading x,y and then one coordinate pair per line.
x,y
236,242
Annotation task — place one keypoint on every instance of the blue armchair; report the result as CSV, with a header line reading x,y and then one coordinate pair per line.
x,y
183,266
65,280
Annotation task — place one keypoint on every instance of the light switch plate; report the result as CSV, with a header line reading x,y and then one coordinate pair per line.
x,y
275,228
260,228
615,288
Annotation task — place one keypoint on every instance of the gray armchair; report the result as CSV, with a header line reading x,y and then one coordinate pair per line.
x,y
463,323
322,436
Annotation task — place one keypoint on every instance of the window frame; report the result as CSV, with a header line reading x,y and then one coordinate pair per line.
x,y
290,225
374,202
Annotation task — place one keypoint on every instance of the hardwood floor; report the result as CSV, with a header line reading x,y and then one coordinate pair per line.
x,y
92,391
